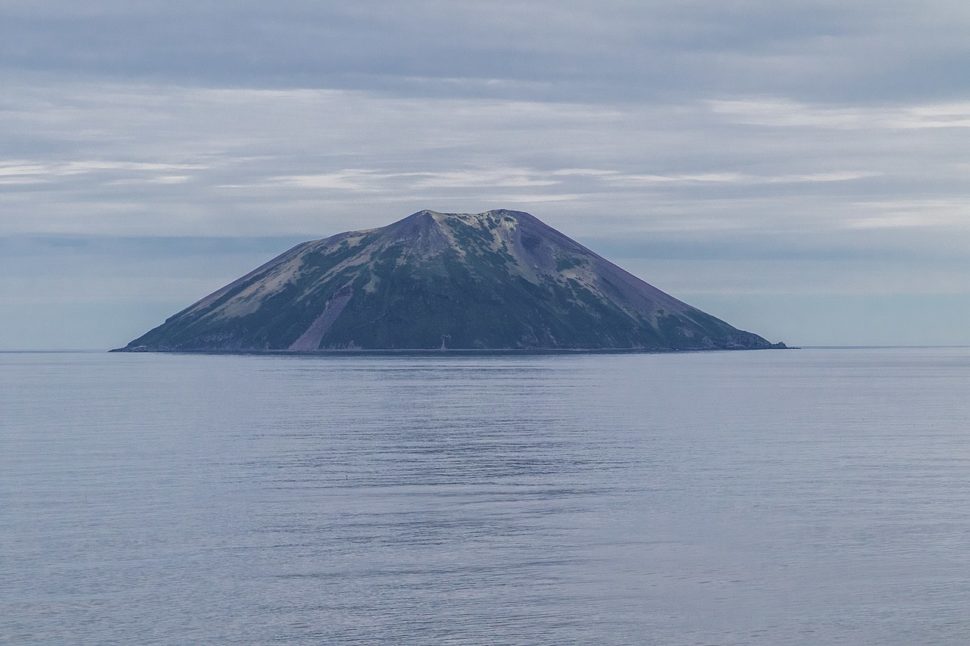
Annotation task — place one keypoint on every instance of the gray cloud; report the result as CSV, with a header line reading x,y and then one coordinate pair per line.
x,y
562,49
168,160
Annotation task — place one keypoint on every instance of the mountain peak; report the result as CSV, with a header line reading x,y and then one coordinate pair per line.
x,y
499,279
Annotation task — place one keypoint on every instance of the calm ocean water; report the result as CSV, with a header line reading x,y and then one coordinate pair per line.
x,y
798,497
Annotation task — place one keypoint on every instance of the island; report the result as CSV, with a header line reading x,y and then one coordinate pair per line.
x,y
495,281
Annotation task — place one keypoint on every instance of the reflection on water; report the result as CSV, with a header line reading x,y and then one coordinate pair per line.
x,y
803,497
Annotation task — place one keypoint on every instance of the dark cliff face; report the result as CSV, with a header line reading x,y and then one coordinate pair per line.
x,y
494,280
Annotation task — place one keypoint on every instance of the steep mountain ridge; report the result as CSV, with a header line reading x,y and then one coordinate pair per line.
x,y
494,280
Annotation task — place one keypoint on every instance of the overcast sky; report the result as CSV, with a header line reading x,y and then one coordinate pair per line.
x,y
799,169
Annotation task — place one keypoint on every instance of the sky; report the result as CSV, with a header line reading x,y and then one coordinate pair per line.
x,y
799,169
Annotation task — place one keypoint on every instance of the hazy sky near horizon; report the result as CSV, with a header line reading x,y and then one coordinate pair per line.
x,y
799,169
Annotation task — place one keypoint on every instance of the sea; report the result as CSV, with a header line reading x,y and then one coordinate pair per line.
x,y
811,496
